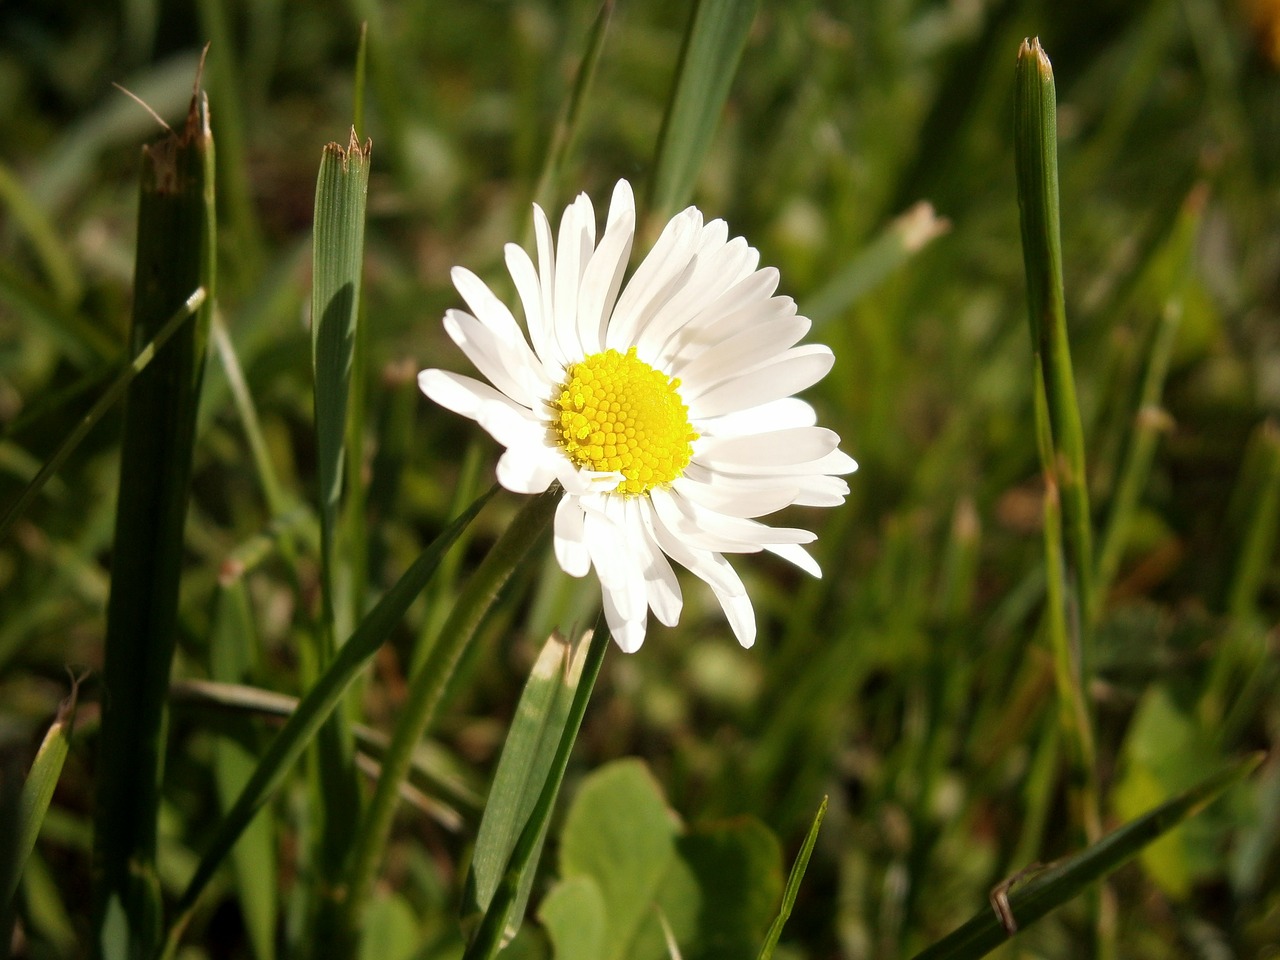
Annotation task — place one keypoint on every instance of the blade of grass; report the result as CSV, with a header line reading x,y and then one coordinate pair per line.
x,y
513,889
37,792
190,307
904,237
567,125
175,255
55,259
793,884
426,692
713,45
1059,882
536,729
319,702
341,191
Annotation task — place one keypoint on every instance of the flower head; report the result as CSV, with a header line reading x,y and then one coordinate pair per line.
x,y
663,408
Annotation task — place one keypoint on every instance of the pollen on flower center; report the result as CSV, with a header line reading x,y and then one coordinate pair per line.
x,y
615,413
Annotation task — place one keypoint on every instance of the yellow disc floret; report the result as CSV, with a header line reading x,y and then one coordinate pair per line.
x,y
617,414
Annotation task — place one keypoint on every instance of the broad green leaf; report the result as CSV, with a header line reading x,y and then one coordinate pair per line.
x,y
1067,878
621,834
573,915
390,931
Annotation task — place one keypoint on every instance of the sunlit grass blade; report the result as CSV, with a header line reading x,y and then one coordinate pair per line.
x,y
713,45
311,713
502,917
1056,884
566,128
175,255
341,191
793,884
535,732
427,687
902,239
190,307
37,792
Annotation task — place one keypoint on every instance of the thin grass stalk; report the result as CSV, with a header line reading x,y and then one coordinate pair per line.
x,y
426,693
1060,439
566,128
175,255
1036,153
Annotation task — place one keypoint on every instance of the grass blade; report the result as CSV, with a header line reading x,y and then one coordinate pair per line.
x,y
36,794
713,45
516,880
1060,882
427,687
536,729
190,307
341,190
793,884
312,711
176,245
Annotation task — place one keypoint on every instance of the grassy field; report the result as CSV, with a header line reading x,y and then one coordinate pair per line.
x,y
867,150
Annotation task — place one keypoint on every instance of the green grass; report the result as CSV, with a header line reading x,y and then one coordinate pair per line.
x,y
915,685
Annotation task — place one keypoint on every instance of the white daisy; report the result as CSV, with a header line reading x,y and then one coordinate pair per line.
x,y
664,408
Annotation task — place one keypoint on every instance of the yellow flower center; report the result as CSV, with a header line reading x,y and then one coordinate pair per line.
x,y
617,414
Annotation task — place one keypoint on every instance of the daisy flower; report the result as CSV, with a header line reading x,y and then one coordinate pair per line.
x,y
663,408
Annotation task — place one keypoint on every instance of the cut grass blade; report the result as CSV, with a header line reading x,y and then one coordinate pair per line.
x,y
341,191
1058,883
175,255
713,45
506,905
793,884
311,713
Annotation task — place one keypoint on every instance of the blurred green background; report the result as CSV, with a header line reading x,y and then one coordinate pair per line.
x,y
912,683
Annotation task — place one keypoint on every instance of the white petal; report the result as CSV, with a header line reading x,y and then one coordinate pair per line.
x,y
602,277
547,285
741,616
736,497
506,421
525,276
622,584
662,586
775,449
486,307
759,343
801,367
821,491
573,249
509,366
659,275
571,550
528,469
796,554
781,414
